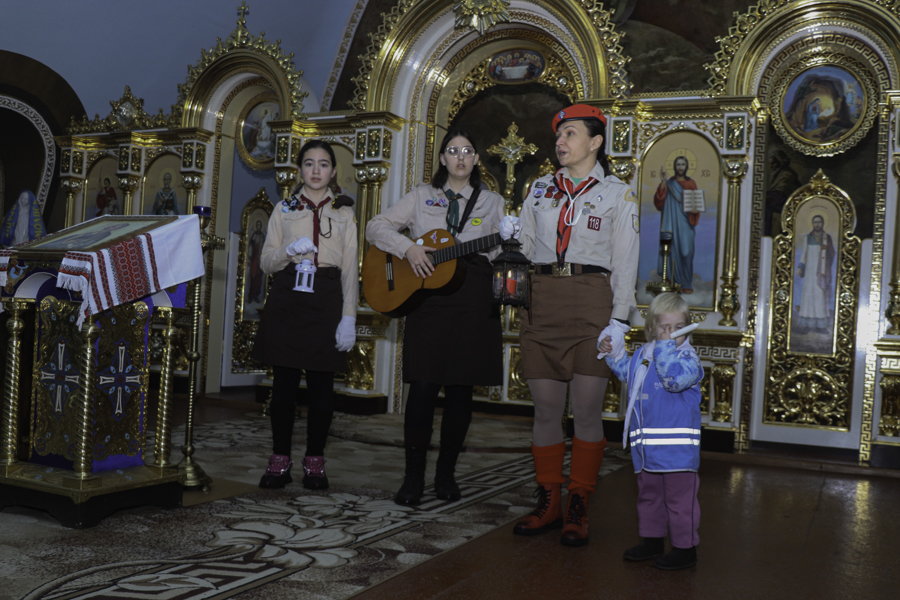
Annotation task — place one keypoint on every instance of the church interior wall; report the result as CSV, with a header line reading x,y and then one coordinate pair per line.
x,y
666,45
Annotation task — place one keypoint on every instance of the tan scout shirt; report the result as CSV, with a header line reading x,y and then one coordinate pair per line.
x,y
339,250
421,211
606,235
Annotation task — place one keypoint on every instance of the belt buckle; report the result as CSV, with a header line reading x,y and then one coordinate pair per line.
x,y
564,271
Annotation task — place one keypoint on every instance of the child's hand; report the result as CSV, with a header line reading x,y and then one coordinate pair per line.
x,y
605,345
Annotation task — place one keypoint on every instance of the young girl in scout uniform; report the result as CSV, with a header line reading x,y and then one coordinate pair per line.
x,y
301,331
452,341
580,228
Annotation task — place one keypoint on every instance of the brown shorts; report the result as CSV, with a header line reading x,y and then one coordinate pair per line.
x,y
567,315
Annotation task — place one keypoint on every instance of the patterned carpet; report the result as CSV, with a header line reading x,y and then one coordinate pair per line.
x,y
286,544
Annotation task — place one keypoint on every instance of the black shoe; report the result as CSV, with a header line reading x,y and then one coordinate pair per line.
x,y
445,486
278,473
413,488
314,477
647,549
677,558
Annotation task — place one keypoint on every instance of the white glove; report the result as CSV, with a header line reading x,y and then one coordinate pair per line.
x,y
615,331
302,246
346,333
510,227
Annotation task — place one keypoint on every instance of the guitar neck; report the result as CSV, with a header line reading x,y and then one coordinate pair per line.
x,y
471,247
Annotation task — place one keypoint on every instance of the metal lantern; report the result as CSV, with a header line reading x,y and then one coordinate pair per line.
x,y
306,274
511,275
665,285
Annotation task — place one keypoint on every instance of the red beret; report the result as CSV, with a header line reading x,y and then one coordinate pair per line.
x,y
578,112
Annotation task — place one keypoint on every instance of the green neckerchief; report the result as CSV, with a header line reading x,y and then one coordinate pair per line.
x,y
453,211
577,181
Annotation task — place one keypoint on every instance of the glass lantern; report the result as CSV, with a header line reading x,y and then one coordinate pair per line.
x,y
511,276
306,274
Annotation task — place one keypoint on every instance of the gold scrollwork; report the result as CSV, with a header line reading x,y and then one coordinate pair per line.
x,y
386,144
127,114
734,137
813,388
621,135
360,145
889,423
374,143
612,399
517,388
705,392
480,15
65,160
361,366
723,378
714,129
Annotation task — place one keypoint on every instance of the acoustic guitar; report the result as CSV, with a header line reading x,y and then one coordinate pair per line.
x,y
392,287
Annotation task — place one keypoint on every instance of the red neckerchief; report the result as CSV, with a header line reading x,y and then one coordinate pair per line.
x,y
316,227
563,230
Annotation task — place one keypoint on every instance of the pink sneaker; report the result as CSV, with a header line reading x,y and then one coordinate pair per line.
x,y
314,477
278,473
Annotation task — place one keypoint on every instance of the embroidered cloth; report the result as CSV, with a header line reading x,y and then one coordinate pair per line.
x,y
133,268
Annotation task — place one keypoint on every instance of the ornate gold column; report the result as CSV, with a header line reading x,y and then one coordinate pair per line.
x,y
162,446
83,464
9,435
128,184
729,305
71,186
892,313
286,178
370,178
192,182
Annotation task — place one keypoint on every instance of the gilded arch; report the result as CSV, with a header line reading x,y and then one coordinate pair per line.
x,y
588,22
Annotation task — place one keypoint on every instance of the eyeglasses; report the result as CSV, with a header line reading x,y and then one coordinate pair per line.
x,y
467,151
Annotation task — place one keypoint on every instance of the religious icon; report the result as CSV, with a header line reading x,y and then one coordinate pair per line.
x,y
23,222
256,141
680,190
255,274
98,233
107,200
163,193
783,181
516,66
815,270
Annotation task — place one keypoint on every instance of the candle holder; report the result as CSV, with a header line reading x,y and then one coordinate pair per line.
x,y
664,285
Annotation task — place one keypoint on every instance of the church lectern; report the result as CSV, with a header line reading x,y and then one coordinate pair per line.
x,y
80,304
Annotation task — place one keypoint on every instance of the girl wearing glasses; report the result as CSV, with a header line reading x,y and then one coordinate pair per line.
x,y
580,228
455,340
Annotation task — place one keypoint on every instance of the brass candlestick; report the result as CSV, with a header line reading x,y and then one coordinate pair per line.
x,y
664,285
192,475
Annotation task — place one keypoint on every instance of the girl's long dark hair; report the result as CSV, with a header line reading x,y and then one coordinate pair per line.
x,y
596,127
439,179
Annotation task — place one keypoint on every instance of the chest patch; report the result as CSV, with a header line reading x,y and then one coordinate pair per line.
x,y
593,223
476,222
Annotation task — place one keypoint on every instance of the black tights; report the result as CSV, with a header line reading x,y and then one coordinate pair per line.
x,y
420,414
320,389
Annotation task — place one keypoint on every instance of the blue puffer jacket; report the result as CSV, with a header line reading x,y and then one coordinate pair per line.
x,y
664,432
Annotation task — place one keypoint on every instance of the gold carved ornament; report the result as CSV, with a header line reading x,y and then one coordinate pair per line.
x,y
127,114
813,389
480,15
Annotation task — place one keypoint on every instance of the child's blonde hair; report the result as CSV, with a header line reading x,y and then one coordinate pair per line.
x,y
664,304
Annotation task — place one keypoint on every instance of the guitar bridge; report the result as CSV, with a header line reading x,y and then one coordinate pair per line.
x,y
389,271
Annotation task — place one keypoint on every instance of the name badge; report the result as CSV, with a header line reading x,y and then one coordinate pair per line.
x,y
594,223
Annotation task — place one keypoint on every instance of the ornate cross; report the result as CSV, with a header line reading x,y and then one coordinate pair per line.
x,y
115,378
511,151
55,376
243,10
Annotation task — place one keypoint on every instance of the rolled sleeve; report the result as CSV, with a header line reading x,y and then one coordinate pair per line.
x,y
625,255
383,231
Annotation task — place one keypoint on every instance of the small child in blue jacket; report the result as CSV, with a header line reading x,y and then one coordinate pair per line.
x,y
662,423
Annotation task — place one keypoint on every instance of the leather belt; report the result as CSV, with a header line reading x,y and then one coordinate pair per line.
x,y
568,269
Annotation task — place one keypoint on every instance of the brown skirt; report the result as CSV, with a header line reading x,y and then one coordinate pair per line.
x,y
567,315
456,339
296,328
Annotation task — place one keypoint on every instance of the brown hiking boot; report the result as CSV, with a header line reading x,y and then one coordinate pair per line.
x,y
547,515
575,529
